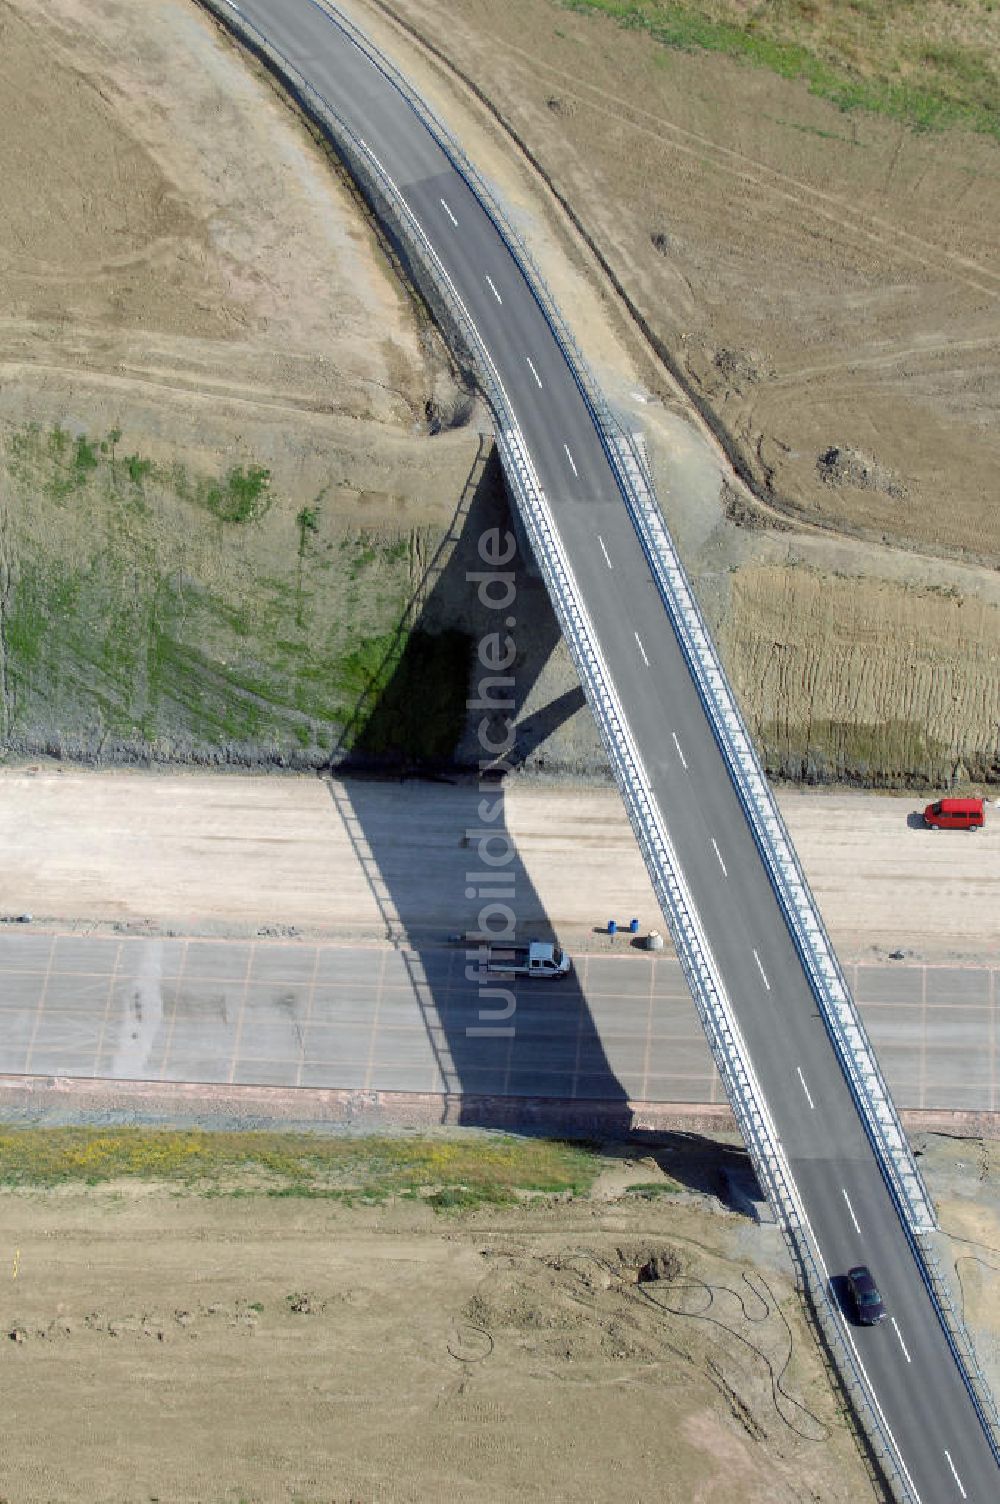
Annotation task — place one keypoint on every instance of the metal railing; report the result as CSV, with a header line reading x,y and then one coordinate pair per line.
x,y
725,1039
829,986
822,968
722,1031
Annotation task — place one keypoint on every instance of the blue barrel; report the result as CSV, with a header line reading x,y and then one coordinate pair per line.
x,y
633,927
612,927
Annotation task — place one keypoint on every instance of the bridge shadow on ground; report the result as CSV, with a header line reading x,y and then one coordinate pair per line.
x,y
477,634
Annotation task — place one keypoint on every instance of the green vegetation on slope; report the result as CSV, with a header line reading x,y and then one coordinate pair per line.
x,y
917,61
194,615
445,1172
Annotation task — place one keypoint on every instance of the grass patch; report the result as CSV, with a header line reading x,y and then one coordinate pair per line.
x,y
886,58
650,1190
241,497
447,1174
137,469
890,754
155,604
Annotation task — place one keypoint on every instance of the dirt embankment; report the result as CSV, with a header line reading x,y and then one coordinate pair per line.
x,y
230,439
826,283
825,287
235,454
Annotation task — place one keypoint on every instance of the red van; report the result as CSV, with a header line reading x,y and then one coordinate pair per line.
x,y
955,814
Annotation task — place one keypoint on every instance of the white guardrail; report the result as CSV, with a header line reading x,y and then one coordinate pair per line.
x,y
722,1031
849,1036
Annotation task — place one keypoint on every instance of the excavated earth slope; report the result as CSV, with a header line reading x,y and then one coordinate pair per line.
x,y
240,478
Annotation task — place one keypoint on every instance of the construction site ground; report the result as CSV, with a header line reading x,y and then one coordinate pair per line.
x,y
201,854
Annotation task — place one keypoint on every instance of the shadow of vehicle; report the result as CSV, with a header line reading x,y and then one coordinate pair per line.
x,y
915,820
840,1290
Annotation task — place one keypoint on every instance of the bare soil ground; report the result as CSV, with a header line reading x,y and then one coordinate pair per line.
x,y
141,252
165,1345
234,855
825,281
824,287
229,436
182,304
630,1341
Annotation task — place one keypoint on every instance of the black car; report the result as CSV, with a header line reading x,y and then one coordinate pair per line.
x,y
864,1292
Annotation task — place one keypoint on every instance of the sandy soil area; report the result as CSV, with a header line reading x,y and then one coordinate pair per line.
x,y
821,280
824,287
142,261
246,1348
180,261
211,294
235,855
493,1356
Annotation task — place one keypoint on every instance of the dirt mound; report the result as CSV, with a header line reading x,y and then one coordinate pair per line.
x,y
849,467
649,1264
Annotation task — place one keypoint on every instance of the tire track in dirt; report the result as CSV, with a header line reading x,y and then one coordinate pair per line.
x,y
198,387
884,233
945,347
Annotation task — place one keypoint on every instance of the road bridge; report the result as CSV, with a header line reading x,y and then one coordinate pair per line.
x,y
794,1088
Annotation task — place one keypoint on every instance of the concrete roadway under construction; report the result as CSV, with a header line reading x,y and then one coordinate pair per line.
x,y
371,1017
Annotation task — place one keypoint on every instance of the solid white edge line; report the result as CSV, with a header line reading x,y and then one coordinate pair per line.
x,y
800,1209
954,1474
571,460
763,973
604,552
449,214
850,1208
849,1337
812,1104
899,1334
719,855
642,650
531,368
493,289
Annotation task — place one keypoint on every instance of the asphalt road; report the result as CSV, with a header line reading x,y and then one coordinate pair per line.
x,y
940,1444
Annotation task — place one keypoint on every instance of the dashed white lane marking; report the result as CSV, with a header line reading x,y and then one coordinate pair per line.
x,y
900,1336
954,1474
677,744
493,289
571,460
449,214
604,552
719,855
812,1104
642,650
763,973
531,368
850,1208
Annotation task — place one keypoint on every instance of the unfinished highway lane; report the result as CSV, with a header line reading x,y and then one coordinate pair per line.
x,y
915,1386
